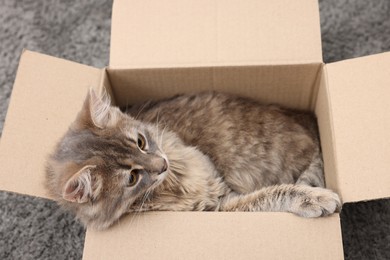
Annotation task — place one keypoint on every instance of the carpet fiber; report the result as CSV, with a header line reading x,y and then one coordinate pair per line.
x,y
79,30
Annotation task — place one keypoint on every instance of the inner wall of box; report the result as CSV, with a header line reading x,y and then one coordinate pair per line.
x,y
288,85
300,86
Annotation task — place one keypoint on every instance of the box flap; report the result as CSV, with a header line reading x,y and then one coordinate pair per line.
x,y
359,94
214,32
217,235
36,118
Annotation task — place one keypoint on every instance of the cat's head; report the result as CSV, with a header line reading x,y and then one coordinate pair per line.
x,y
105,163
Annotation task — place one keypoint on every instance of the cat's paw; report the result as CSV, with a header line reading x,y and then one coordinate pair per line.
x,y
317,202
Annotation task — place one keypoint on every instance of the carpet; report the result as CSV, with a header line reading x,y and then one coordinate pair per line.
x,y
79,30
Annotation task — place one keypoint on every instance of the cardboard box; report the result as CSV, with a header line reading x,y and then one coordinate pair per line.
x,y
267,50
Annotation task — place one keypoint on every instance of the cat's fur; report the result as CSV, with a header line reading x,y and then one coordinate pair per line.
x,y
207,151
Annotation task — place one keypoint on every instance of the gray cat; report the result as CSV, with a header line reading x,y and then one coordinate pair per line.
x,y
202,152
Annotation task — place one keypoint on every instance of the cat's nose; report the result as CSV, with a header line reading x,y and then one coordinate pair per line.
x,y
165,167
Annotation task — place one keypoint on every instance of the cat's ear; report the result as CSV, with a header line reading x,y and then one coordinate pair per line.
x,y
81,187
97,112
101,112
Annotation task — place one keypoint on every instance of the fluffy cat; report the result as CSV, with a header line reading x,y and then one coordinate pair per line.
x,y
201,152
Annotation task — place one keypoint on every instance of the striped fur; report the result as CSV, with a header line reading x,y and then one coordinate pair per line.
x,y
206,151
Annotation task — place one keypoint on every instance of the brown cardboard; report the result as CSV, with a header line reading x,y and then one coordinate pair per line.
x,y
289,85
325,124
150,34
268,50
359,91
217,235
47,94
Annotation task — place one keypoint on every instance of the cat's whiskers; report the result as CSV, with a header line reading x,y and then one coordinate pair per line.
x,y
137,212
140,111
158,123
133,216
136,217
145,197
161,136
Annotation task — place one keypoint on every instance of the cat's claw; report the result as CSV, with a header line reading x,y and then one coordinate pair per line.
x,y
318,202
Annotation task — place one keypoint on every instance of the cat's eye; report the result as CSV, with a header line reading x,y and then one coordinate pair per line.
x,y
133,178
141,142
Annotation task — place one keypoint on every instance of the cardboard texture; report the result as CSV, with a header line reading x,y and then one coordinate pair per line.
x,y
47,94
149,34
325,124
217,235
267,50
289,85
359,91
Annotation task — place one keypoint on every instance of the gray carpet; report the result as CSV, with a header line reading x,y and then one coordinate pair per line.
x,y
79,30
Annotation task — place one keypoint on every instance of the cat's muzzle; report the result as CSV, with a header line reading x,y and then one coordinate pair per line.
x,y
164,168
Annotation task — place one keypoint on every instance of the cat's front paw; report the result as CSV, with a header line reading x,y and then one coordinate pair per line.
x,y
317,202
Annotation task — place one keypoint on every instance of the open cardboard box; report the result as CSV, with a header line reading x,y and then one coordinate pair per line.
x,y
267,50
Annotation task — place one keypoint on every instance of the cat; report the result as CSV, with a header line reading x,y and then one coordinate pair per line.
x,y
206,151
